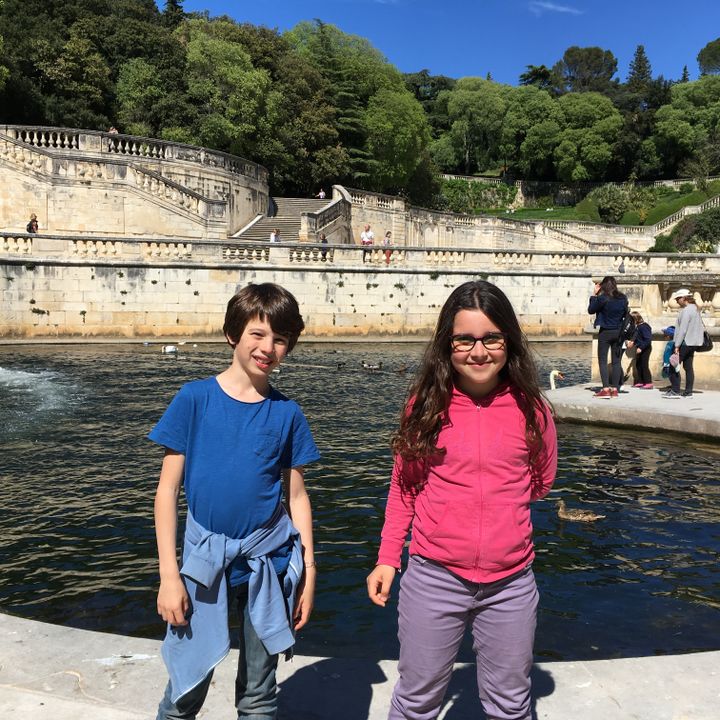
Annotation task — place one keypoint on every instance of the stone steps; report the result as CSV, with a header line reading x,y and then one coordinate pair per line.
x,y
286,219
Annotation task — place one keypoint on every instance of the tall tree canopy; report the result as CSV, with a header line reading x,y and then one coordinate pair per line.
x,y
709,58
587,69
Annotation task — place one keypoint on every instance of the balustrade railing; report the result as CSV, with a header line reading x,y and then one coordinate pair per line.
x,y
16,244
96,248
671,269
73,140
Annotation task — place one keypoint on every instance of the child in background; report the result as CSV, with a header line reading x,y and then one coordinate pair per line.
x,y
476,445
667,368
233,441
642,343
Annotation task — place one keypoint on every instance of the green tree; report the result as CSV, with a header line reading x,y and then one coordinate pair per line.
x,y
354,71
537,75
640,73
397,137
4,72
587,69
476,109
685,77
585,147
532,115
426,88
173,13
709,58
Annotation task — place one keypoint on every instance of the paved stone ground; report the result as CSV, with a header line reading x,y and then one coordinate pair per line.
x,y
642,409
49,672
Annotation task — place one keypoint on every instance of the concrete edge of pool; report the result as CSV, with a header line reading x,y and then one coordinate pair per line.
x,y
50,671
639,409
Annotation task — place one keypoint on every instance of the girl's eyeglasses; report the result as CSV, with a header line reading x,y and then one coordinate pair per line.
x,y
491,341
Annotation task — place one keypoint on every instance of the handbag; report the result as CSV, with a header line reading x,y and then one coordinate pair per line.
x,y
707,343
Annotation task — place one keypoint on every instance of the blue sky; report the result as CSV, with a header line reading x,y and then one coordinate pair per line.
x,y
471,37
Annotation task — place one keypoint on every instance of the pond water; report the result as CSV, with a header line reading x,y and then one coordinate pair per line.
x,y
77,480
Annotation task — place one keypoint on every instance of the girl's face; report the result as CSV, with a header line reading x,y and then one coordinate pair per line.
x,y
477,371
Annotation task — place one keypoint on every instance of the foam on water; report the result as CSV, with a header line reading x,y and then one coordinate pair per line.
x,y
39,391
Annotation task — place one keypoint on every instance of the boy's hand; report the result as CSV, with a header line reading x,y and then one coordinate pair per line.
x,y
173,602
379,582
305,598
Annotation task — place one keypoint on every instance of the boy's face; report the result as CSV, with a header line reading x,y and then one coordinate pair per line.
x,y
259,349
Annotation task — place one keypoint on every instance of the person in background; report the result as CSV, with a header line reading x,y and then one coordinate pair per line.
x,y
323,242
32,226
667,368
321,194
275,235
689,330
642,343
387,242
608,305
367,239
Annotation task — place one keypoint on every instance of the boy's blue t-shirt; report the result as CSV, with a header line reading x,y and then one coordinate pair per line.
x,y
234,456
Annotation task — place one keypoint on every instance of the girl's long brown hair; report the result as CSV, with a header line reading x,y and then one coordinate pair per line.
x,y
428,400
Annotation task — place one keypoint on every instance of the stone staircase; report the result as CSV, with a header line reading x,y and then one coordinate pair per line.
x,y
286,219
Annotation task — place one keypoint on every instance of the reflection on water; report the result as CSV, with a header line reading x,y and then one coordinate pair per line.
x,y
77,480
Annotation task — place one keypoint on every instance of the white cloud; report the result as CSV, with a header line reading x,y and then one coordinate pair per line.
x,y
538,7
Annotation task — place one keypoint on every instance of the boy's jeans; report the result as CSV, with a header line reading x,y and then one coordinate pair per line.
x,y
255,685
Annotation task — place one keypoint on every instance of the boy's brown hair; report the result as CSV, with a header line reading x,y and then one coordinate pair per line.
x,y
268,302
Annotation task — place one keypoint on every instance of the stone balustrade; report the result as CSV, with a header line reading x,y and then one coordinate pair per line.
x,y
16,244
670,268
96,248
92,141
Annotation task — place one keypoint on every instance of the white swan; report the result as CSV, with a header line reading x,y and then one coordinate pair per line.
x,y
555,374
371,366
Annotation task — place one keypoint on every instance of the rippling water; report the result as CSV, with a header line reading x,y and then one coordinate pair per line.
x,y
77,480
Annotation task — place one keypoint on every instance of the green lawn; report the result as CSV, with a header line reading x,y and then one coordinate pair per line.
x,y
667,203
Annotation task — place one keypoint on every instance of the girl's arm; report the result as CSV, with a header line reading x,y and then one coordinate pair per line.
x,y
399,512
172,601
301,515
545,466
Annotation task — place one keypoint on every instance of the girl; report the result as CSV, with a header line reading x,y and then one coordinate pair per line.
x,y
642,343
608,305
688,336
476,445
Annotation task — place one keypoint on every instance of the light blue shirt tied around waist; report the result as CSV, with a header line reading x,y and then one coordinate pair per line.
x,y
190,652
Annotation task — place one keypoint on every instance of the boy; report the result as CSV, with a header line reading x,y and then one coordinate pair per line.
x,y
669,335
233,441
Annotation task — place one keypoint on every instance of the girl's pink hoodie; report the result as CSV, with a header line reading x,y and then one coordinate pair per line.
x,y
473,513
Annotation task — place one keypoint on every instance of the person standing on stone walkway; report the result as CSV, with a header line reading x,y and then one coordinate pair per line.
x,y
642,346
689,330
476,445
608,305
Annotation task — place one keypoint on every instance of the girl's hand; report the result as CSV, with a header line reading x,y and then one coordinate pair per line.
x,y
173,602
305,598
639,351
379,582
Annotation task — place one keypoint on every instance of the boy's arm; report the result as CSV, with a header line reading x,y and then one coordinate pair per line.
x,y
301,515
172,601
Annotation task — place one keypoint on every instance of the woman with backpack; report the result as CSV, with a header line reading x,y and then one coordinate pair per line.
x,y
610,307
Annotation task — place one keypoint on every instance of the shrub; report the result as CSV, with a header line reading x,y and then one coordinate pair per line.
x,y
612,201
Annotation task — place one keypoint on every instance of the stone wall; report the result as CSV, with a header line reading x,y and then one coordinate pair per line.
x,y
79,181
127,287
